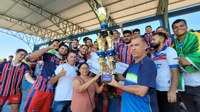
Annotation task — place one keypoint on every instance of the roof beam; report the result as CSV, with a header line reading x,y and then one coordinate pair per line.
x,y
63,24
87,12
92,10
41,32
30,40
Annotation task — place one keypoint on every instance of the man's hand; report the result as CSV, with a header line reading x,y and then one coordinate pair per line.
x,y
113,83
120,77
62,73
183,61
55,45
171,97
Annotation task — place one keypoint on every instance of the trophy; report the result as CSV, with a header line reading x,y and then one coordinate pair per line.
x,y
110,41
105,50
102,62
112,64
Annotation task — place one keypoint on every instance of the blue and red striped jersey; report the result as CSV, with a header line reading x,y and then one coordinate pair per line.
x,y
80,59
124,52
168,42
118,43
50,62
11,76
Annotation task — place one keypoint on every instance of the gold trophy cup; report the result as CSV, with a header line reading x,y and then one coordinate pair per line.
x,y
112,64
102,62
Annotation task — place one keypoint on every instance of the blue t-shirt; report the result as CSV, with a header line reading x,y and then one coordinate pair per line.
x,y
141,73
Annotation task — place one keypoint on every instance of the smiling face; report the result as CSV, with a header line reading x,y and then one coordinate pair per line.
x,y
71,58
180,28
63,50
75,44
89,43
84,70
20,55
83,49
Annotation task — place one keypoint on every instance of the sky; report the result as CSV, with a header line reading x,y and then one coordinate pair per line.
x,y
9,44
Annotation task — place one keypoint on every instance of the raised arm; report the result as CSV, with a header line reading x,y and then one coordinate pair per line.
x,y
81,88
40,52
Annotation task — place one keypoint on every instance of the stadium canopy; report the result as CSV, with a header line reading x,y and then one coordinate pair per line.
x,y
54,19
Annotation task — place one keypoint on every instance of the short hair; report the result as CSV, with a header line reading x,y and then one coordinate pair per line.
x,y
71,52
115,31
55,40
177,21
20,50
88,39
85,39
63,44
142,39
75,39
127,31
83,45
148,26
136,30
161,27
161,34
11,56
95,42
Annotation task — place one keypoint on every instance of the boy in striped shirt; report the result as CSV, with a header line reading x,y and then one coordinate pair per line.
x,y
11,75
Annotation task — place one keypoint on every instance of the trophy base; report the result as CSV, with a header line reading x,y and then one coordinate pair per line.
x,y
106,78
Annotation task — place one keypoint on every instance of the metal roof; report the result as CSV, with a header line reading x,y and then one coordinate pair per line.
x,y
59,18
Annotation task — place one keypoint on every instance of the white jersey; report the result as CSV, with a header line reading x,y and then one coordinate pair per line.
x,y
165,60
64,87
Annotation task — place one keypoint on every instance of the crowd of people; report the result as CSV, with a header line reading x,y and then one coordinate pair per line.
x,y
163,74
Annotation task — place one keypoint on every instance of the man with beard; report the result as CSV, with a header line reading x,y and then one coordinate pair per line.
x,y
41,94
74,44
82,55
139,93
123,51
169,41
167,74
89,43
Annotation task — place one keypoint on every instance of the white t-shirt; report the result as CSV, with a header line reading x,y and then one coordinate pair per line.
x,y
64,87
164,61
192,79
